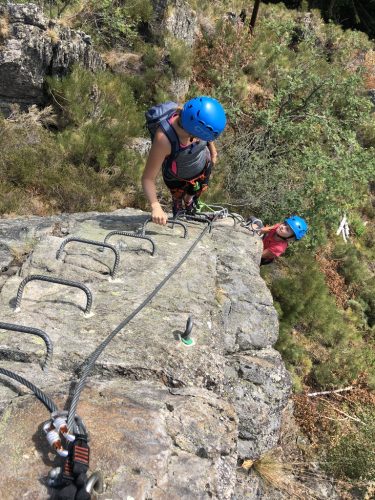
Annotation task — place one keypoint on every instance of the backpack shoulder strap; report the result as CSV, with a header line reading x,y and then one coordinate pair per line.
x,y
172,136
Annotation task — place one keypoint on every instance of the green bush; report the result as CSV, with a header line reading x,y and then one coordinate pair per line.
x,y
180,57
100,117
354,267
114,23
296,145
351,265
318,341
153,85
345,363
357,225
300,157
37,175
354,455
305,302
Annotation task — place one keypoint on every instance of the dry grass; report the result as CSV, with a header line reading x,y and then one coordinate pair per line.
x,y
277,473
53,36
4,28
273,471
261,96
370,69
328,418
122,62
247,464
370,493
20,254
220,296
335,282
42,117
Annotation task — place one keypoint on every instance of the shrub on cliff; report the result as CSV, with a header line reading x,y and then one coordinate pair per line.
x,y
301,139
38,177
354,455
353,265
100,117
111,23
319,342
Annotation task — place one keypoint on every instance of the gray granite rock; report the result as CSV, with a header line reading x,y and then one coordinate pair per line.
x,y
260,392
147,441
181,416
175,20
174,17
33,49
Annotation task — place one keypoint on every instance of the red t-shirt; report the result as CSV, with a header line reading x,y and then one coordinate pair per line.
x,y
277,247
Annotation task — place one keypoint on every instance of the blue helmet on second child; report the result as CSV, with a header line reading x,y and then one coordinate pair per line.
x,y
298,225
203,117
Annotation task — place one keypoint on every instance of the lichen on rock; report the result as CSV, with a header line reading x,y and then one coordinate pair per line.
x,y
164,419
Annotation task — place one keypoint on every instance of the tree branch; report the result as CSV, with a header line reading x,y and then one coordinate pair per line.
x,y
356,419
312,394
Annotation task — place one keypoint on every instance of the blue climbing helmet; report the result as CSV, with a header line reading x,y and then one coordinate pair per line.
x,y
298,225
203,117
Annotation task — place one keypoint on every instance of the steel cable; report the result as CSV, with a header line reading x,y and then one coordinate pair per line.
x,y
94,356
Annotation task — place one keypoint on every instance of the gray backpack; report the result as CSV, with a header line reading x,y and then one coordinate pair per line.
x,y
158,116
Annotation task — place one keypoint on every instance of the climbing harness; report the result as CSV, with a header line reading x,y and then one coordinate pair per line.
x,y
71,479
216,210
95,483
205,213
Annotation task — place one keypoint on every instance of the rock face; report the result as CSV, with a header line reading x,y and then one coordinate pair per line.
x,y
176,19
166,420
31,48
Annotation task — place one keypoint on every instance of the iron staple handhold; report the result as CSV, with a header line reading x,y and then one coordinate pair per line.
x,y
131,235
91,242
60,281
196,218
33,331
173,222
49,404
234,219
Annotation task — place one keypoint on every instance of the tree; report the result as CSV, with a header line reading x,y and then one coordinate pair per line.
x,y
254,15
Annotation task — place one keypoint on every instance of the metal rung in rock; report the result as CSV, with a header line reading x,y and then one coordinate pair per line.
x,y
195,218
60,281
92,242
131,235
172,222
33,331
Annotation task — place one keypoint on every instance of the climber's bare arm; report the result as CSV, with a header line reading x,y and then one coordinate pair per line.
x,y
266,229
213,152
160,149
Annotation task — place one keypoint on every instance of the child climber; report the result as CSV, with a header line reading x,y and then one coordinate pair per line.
x,y
183,149
277,237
